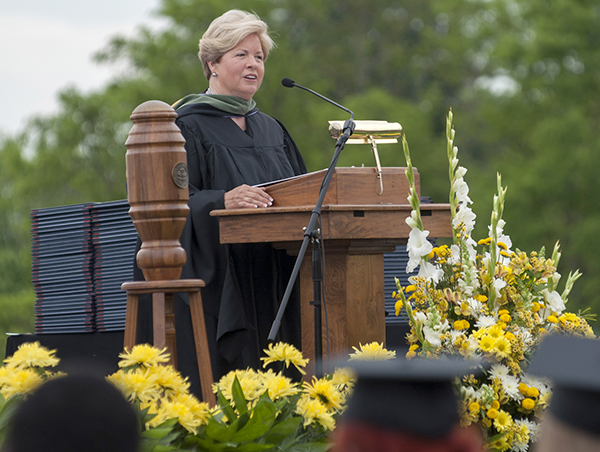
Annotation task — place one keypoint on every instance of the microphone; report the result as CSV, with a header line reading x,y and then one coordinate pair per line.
x,y
289,83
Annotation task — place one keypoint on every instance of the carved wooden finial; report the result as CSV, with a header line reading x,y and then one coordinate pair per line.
x,y
157,189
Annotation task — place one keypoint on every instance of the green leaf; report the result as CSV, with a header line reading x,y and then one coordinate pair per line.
x,y
226,407
253,447
160,431
283,429
220,432
261,421
238,397
310,447
8,410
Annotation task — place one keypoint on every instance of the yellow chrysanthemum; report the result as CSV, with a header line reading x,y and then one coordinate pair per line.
x,y
373,351
285,353
325,392
502,347
343,376
314,411
503,421
169,380
137,384
190,413
487,343
495,331
250,381
19,381
143,355
277,385
32,354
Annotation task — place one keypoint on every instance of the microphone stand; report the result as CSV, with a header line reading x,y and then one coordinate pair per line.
x,y
312,233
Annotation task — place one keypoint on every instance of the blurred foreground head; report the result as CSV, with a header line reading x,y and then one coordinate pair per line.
x,y
74,414
573,419
400,405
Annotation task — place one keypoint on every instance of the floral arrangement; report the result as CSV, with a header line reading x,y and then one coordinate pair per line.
x,y
485,300
256,410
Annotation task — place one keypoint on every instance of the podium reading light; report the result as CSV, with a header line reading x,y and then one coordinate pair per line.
x,y
369,132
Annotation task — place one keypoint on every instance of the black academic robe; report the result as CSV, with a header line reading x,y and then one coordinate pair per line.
x,y
244,283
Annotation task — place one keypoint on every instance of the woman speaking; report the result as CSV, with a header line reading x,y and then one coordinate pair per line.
x,y
231,147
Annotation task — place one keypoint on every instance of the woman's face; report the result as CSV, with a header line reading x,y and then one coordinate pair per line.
x,y
240,71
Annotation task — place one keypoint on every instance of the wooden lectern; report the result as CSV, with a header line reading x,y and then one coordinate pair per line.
x,y
358,226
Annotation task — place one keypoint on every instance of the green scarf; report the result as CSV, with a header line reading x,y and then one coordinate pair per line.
x,y
230,104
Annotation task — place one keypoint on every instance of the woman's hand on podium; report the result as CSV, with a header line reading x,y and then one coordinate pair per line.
x,y
246,197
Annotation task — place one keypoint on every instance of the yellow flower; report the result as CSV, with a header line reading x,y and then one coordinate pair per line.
x,y
474,407
143,355
502,245
485,241
325,392
523,388
500,444
250,381
532,392
398,306
277,385
492,413
32,354
190,413
495,404
373,351
285,353
314,411
480,297
505,318
137,384
412,351
552,319
487,343
343,376
508,335
503,421
528,404
495,331
536,306
502,347
504,253
169,380
19,381
458,325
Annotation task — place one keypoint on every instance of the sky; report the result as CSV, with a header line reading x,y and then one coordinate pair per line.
x,y
47,45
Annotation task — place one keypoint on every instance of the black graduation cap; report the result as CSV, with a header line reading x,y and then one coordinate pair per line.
x,y
414,396
573,365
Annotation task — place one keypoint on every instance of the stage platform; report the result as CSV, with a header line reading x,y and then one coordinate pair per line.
x,y
100,351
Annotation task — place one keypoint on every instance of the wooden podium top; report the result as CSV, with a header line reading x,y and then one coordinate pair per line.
x,y
358,186
353,210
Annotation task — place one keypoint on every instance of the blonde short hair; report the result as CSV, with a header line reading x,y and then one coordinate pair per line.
x,y
226,32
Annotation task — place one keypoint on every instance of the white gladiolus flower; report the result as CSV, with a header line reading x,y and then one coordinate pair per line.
x,y
430,272
462,191
466,216
412,220
497,285
417,247
432,336
460,171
